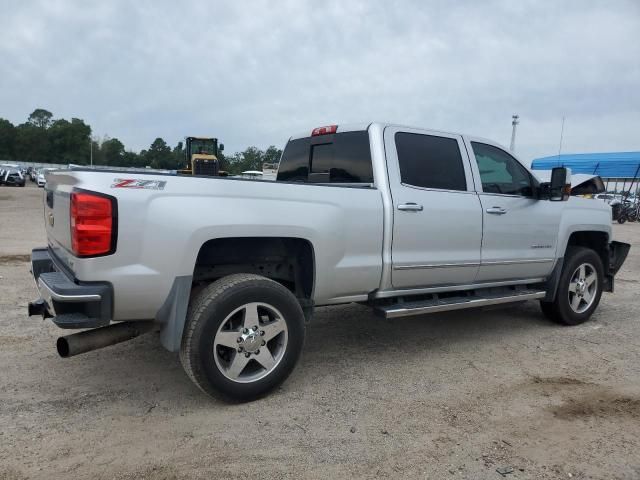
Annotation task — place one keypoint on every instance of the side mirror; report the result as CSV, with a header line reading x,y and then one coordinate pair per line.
x,y
560,185
221,147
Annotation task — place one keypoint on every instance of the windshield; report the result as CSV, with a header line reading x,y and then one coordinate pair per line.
x,y
206,147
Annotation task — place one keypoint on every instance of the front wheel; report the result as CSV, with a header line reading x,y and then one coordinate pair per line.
x,y
579,288
243,337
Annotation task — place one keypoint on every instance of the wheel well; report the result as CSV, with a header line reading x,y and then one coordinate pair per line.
x,y
289,261
597,241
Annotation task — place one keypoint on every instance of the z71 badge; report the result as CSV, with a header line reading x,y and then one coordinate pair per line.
x,y
138,183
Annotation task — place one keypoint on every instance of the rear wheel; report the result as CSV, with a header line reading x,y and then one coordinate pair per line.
x,y
579,288
243,337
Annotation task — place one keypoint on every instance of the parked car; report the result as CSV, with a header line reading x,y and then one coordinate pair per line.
x,y
405,220
4,167
12,177
609,197
40,180
32,172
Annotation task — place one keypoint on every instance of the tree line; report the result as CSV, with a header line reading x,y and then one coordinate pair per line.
x,y
43,139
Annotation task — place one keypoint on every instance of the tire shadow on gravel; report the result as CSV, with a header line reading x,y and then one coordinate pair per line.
x,y
581,399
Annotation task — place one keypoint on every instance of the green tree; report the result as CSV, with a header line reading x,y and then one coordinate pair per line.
x,y
272,155
250,159
132,159
159,155
178,155
7,140
32,144
40,118
70,142
113,153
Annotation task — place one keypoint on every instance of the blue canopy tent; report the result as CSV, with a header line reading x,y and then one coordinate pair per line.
x,y
614,166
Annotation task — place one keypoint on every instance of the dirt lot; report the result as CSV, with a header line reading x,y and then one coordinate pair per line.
x,y
445,396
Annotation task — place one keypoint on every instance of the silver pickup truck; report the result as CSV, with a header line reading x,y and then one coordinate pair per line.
x,y
405,220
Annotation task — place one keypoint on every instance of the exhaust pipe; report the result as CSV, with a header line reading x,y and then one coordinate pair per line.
x,y
88,340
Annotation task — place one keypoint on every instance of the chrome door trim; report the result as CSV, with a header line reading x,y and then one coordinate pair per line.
x,y
515,262
453,265
435,265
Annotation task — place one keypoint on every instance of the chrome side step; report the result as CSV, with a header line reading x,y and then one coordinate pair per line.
x,y
455,303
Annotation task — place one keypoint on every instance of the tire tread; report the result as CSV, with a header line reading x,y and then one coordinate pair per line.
x,y
190,356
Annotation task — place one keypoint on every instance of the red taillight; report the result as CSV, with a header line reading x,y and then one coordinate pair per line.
x,y
328,130
92,224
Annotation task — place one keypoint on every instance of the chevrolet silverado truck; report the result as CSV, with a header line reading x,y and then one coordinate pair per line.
x,y
405,220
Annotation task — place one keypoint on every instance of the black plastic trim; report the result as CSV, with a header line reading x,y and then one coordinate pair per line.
x,y
85,314
553,281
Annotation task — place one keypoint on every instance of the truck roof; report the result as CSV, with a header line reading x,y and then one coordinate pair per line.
x,y
353,127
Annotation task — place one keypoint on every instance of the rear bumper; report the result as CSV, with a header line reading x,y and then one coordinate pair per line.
x,y
69,302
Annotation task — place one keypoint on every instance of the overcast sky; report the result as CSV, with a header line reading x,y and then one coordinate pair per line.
x,y
253,73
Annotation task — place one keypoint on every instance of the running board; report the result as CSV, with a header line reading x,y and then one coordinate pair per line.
x,y
455,303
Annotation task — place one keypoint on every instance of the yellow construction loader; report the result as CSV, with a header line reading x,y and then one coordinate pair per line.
x,y
201,155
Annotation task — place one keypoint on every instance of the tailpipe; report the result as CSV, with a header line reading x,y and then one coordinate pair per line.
x,y
71,345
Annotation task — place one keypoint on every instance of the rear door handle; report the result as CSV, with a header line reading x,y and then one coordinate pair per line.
x,y
410,207
496,210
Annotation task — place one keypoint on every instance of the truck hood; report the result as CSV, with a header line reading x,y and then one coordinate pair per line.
x,y
581,183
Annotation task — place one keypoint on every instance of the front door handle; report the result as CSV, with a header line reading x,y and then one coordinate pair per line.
x,y
410,207
496,210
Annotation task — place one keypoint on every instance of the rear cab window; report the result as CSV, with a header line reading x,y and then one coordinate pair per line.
x,y
337,158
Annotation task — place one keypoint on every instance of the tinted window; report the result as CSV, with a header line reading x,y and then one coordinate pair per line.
x,y
339,158
294,164
500,172
430,162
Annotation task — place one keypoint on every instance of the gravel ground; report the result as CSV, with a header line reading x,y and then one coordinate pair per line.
x,y
455,395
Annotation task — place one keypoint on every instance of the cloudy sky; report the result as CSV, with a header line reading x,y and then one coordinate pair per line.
x,y
254,72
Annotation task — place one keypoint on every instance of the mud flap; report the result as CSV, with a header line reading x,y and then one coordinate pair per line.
x,y
618,252
173,313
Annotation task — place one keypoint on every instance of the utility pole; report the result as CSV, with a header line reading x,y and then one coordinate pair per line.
x,y
514,122
91,150
561,135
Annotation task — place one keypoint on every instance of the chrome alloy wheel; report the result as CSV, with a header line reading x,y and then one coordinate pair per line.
x,y
250,342
583,287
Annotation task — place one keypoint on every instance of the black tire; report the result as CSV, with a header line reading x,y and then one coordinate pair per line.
x,y
622,218
210,308
560,309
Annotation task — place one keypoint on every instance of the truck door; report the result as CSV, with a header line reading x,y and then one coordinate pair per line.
x,y
520,232
437,217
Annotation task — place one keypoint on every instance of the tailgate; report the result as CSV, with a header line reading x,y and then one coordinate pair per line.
x,y
56,210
